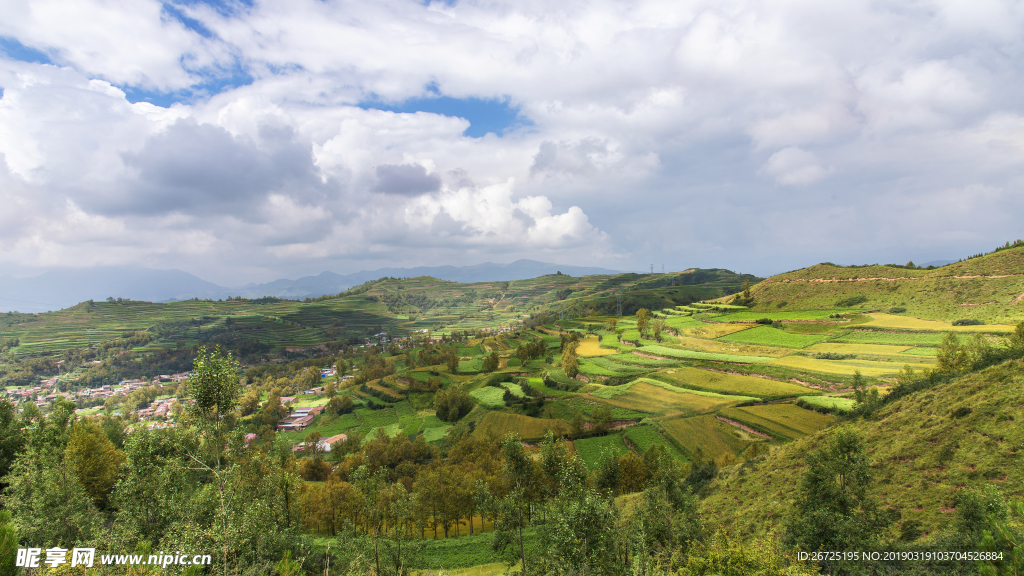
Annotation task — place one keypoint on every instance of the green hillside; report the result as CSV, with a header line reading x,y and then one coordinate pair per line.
x,y
988,288
924,448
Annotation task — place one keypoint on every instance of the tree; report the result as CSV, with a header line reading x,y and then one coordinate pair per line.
x,y
746,289
491,363
453,363
330,389
250,402
570,363
643,318
657,326
452,404
11,438
510,512
834,510
523,353
94,460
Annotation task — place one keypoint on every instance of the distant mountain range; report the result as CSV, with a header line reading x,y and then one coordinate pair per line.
x,y
62,288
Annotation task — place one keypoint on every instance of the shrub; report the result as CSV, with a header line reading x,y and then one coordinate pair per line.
x,y
897,310
960,412
851,301
764,320
967,322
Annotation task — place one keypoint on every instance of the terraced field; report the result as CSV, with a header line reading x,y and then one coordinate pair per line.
x,y
712,331
713,437
591,449
780,420
871,349
731,383
880,320
643,437
501,423
849,367
696,355
889,338
768,336
592,347
845,404
661,399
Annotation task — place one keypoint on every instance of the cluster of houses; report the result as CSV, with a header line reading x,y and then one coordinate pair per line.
x,y
323,444
300,418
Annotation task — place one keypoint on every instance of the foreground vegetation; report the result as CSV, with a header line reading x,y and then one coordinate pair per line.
x,y
536,430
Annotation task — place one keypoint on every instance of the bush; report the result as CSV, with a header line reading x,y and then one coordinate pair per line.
x,y
967,322
852,301
764,320
897,310
833,356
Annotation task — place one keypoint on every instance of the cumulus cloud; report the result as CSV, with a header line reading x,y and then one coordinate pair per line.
x,y
406,179
650,123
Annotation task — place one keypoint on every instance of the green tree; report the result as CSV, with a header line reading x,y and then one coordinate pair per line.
x,y
510,512
491,363
657,326
834,508
453,363
643,318
570,361
11,438
746,289
8,544
330,389
94,460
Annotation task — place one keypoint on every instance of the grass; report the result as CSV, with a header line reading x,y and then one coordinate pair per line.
x,y
920,456
780,420
768,336
501,423
634,360
691,354
751,316
731,383
716,439
712,331
591,449
918,351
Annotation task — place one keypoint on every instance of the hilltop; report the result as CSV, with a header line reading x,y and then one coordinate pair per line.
x,y
988,288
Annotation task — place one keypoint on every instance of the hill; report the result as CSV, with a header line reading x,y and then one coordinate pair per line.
x,y
924,448
989,288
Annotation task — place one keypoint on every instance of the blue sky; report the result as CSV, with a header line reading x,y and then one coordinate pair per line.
x,y
247,141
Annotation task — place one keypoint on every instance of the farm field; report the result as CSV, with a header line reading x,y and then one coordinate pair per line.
x,y
785,420
592,347
880,320
889,338
662,399
591,449
643,437
695,355
716,439
731,383
629,361
844,404
489,396
873,349
501,423
768,336
751,316
712,331
849,367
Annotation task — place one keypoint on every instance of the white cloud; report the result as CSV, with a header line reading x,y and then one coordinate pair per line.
x,y
647,117
795,166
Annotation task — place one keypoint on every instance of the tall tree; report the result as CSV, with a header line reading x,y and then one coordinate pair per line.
x,y
643,318
570,361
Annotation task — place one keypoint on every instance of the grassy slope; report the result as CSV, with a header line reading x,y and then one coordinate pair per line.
x,y
920,455
968,289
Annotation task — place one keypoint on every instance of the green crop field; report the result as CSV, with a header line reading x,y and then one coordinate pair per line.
x,y
780,420
918,351
731,383
716,439
501,423
768,336
844,404
643,437
635,360
751,316
695,355
489,396
891,338
659,398
591,449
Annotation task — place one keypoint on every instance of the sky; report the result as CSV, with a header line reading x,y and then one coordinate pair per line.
x,y
244,141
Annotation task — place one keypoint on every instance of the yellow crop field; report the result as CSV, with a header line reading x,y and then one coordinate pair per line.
x,y
712,331
592,347
647,397
714,437
880,320
785,420
877,349
733,383
848,367
501,423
